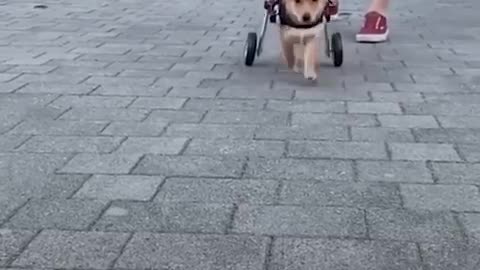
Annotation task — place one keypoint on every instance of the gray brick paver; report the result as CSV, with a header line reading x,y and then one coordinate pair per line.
x,y
140,117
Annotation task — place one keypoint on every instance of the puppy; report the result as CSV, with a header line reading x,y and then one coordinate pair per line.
x,y
301,31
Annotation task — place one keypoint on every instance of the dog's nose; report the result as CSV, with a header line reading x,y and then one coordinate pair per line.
x,y
306,17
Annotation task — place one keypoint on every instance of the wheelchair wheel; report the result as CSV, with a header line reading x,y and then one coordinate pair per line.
x,y
250,48
337,49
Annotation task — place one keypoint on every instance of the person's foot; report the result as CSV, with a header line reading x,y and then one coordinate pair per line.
x,y
375,28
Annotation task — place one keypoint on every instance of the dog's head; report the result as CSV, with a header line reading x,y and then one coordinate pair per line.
x,y
304,11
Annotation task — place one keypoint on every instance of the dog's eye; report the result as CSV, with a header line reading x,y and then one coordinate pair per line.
x,y
297,1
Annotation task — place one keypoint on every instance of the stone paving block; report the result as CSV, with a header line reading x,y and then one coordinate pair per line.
x,y
187,251
299,221
55,79
431,87
421,151
224,191
56,88
131,90
247,117
99,80
457,173
166,217
299,254
59,186
341,150
408,121
464,122
447,135
453,97
450,255
403,97
67,249
135,129
441,197
8,124
5,77
211,131
120,187
442,108
332,95
295,169
193,92
412,225
196,166
105,114
471,152
338,133
341,194
374,107
225,104
378,134
145,73
356,120
255,93
192,66
10,142
307,106
394,171
158,103
59,128
11,244
10,87
161,146
65,144
229,147
182,82
101,163
9,203
471,223
175,116
92,101
56,214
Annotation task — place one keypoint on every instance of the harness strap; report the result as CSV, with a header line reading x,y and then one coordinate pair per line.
x,y
286,20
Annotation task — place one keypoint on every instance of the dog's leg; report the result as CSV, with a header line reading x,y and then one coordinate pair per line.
x,y
288,52
298,52
310,59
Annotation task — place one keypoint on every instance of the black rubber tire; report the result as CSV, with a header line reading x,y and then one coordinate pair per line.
x,y
337,49
250,48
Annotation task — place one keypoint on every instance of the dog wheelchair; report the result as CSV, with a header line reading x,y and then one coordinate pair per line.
x,y
253,46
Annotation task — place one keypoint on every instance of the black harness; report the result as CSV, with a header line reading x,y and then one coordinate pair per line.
x,y
286,20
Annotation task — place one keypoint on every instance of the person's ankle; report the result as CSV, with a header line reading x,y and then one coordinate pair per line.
x,y
379,11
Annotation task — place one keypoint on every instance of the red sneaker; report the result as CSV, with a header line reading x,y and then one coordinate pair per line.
x,y
333,10
375,28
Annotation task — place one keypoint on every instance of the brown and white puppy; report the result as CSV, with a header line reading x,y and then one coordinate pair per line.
x,y
300,46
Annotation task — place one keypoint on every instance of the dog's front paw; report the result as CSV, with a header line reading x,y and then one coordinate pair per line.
x,y
297,69
310,75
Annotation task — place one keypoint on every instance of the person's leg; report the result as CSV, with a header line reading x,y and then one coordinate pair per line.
x,y
380,6
375,28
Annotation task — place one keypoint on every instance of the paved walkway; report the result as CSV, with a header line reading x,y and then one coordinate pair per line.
x,y
132,137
